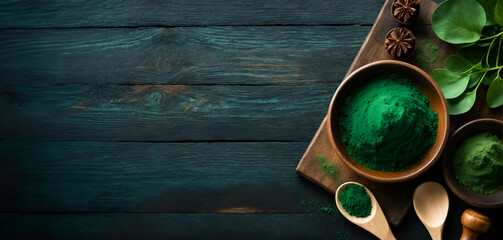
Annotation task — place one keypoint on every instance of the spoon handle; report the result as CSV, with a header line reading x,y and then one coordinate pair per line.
x,y
474,223
436,233
388,236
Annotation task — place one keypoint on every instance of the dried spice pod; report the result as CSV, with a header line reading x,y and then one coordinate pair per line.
x,y
405,11
400,43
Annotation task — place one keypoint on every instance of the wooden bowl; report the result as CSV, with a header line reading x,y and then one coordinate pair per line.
x,y
475,199
419,78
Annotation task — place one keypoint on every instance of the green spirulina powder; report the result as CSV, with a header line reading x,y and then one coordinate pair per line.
x,y
387,124
478,163
329,168
355,200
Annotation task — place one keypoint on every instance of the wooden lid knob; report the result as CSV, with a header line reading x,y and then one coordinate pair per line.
x,y
474,223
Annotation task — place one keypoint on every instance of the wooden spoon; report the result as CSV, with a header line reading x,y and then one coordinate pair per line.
x,y
431,203
375,223
474,223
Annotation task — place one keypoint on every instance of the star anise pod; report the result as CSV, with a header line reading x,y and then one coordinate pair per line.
x,y
405,11
400,42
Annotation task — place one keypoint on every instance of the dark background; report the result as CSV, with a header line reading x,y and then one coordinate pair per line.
x,y
130,119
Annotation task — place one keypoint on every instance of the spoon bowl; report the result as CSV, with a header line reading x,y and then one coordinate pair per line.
x,y
375,223
431,203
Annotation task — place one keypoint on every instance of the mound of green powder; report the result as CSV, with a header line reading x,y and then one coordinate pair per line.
x,y
478,163
355,200
387,124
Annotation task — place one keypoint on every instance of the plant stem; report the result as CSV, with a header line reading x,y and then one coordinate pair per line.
x,y
486,70
489,52
467,45
499,50
465,72
482,39
480,81
491,37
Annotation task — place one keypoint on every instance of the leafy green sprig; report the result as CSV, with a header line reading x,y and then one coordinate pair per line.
x,y
476,29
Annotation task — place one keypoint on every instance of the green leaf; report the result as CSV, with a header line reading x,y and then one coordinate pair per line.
x,y
498,13
495,93
488,6
474,54
458,21
462,104
490,76
451,84
457,64
474,79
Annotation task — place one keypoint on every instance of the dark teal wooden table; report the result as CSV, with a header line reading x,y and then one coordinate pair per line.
x,y
128,119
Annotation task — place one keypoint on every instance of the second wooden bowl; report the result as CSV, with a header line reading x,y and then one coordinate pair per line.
x,y
475,199
419,78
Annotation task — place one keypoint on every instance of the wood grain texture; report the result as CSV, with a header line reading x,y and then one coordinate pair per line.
x,y
55,226
395,199
118,13
177,226
208,55
88,70
162,112
153,177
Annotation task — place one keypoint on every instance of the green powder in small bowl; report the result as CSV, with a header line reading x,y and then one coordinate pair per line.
x,y
387,124
478,163
355,200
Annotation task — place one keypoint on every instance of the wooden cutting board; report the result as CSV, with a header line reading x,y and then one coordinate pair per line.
x,y
395,199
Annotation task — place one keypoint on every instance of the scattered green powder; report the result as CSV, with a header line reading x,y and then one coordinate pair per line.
x,y
387,124
328,209
342,236
478,163
186,108
426,54
329,168
355,200
323,215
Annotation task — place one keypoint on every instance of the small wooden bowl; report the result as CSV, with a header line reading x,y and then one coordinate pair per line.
x,y
475,199
419,78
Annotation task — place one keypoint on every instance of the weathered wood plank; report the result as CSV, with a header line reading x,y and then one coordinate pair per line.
x,y
178,226
162,112
118,13
75,181
210,55
217,226
153,177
